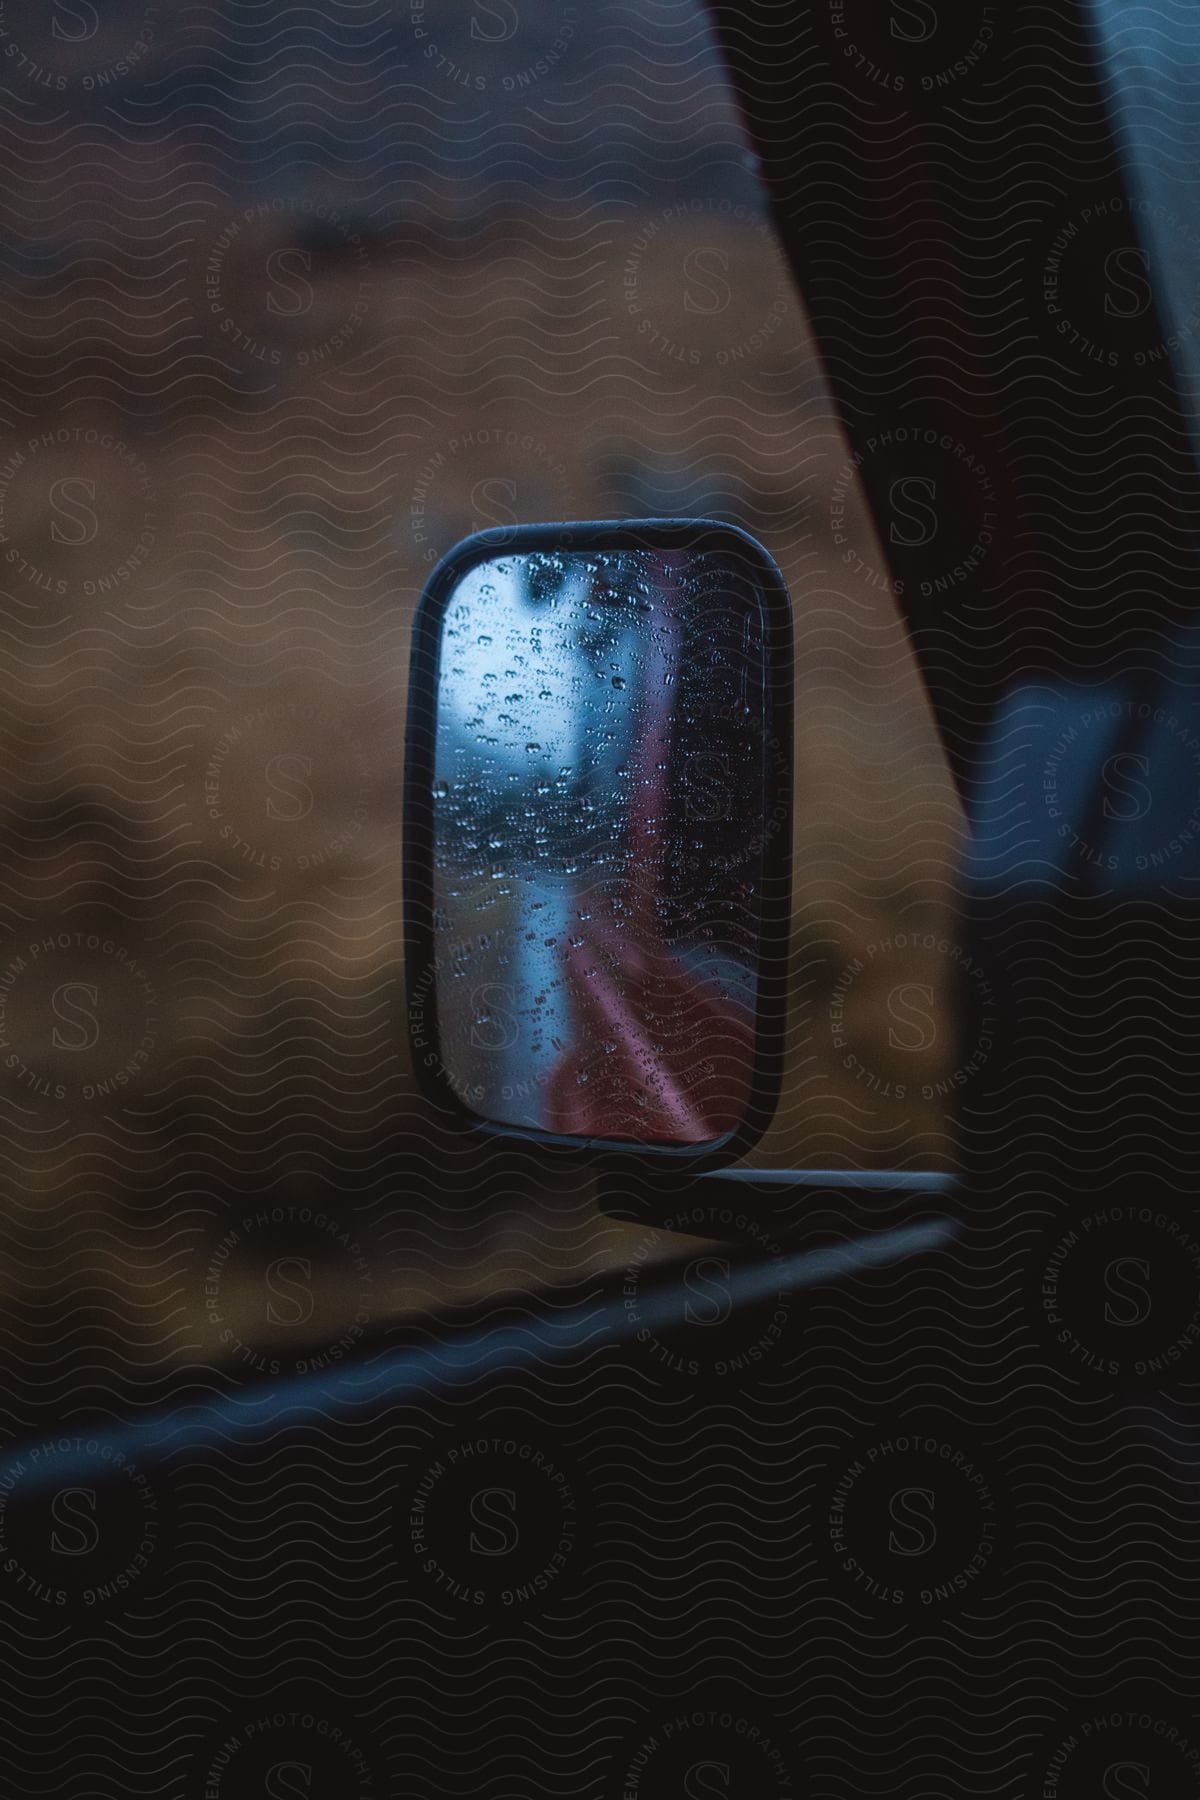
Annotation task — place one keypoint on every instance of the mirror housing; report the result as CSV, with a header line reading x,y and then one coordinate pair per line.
x,y
597,837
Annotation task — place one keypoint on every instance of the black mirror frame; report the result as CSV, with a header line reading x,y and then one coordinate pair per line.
x,y
775,919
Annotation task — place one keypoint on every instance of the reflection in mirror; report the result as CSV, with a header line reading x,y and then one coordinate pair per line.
x,y
600,820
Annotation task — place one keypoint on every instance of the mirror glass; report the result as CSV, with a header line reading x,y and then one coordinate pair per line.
x,y
601,817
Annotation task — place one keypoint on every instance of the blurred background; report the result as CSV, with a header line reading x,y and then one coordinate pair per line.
x,y
291,301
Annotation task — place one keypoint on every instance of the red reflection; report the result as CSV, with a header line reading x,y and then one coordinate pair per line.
x,y
660,1054
679,1070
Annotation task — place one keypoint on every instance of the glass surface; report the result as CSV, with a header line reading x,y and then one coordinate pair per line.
x,y
599,831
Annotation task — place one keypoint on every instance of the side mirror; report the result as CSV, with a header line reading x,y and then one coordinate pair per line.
x,y
598,835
